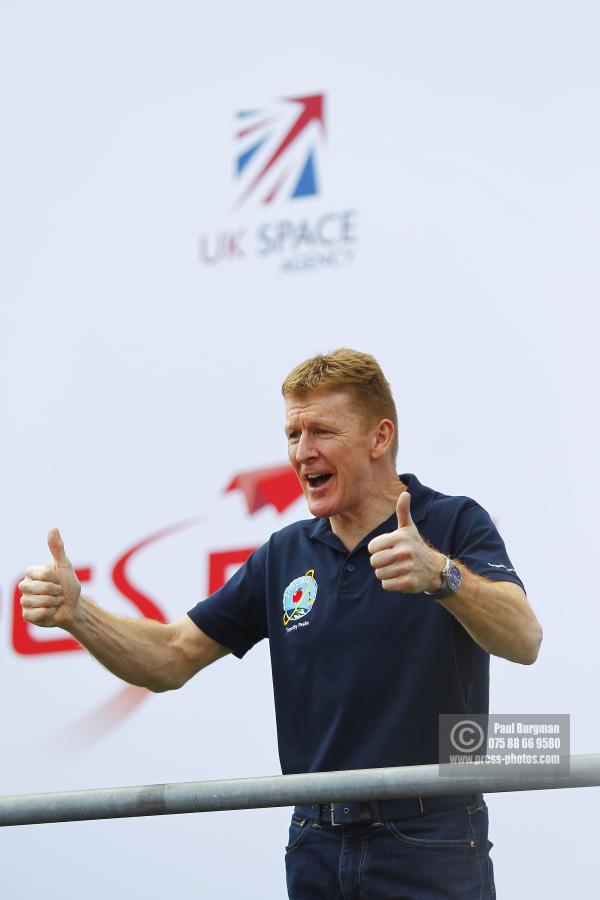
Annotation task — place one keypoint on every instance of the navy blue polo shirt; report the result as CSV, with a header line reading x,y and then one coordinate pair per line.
x,y
360,674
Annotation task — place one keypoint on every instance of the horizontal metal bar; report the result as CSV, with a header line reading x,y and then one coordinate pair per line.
x,y
287,790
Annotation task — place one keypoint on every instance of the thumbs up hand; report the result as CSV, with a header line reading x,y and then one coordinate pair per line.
x,y
50,593
402,560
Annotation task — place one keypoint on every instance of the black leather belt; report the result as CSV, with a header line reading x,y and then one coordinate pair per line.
x,y
359,813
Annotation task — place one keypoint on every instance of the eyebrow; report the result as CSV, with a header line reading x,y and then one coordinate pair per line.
x,y
313,423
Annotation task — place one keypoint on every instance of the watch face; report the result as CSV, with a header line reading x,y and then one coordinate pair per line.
x,y
454,577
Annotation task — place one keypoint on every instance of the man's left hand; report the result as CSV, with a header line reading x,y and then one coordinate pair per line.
x,y
402,560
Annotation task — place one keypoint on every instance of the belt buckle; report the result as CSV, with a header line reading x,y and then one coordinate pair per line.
x,y
347,814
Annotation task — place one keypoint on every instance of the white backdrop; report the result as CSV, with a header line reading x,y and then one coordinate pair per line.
x,y
460,142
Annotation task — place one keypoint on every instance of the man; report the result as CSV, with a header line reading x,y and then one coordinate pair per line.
x,y
381,613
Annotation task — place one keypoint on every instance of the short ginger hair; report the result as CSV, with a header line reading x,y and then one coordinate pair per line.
x,y
359,374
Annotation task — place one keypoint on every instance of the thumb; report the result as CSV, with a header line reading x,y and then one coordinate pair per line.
x,y
403,510
57,548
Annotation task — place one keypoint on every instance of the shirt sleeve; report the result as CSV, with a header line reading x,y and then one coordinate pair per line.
x,y
478,545
235,615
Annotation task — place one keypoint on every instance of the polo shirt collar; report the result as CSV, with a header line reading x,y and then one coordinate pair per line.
x,y
421,498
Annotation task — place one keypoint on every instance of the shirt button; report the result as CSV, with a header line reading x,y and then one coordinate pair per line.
x,y
350,567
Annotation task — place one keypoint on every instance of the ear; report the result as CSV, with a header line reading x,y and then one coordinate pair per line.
x,y
383,436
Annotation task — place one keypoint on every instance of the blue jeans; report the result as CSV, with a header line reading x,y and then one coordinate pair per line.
x,y
443,853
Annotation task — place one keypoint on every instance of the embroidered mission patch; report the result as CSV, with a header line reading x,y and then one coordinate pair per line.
x,y
299,597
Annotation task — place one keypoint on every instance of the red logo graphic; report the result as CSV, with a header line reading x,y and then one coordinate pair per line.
x,y
276,486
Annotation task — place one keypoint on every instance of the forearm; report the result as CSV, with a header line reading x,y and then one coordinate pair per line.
x,y
137,650
498,617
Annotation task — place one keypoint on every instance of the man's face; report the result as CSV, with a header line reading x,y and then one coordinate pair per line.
x,y
329,446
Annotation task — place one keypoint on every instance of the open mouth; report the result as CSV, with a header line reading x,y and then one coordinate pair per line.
x,y
315,481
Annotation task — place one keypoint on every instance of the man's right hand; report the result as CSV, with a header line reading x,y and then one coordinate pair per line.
x,y
50,594
151,654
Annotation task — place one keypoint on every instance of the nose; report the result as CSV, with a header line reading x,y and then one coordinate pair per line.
x,y
305,448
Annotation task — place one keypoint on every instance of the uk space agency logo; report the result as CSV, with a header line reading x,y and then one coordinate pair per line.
x,y
277,149
278,212
299,598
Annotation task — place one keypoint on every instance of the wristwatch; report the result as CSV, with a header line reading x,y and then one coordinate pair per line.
x,y
451,581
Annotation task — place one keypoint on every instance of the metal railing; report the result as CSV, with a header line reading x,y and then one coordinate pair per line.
x,y
288,790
